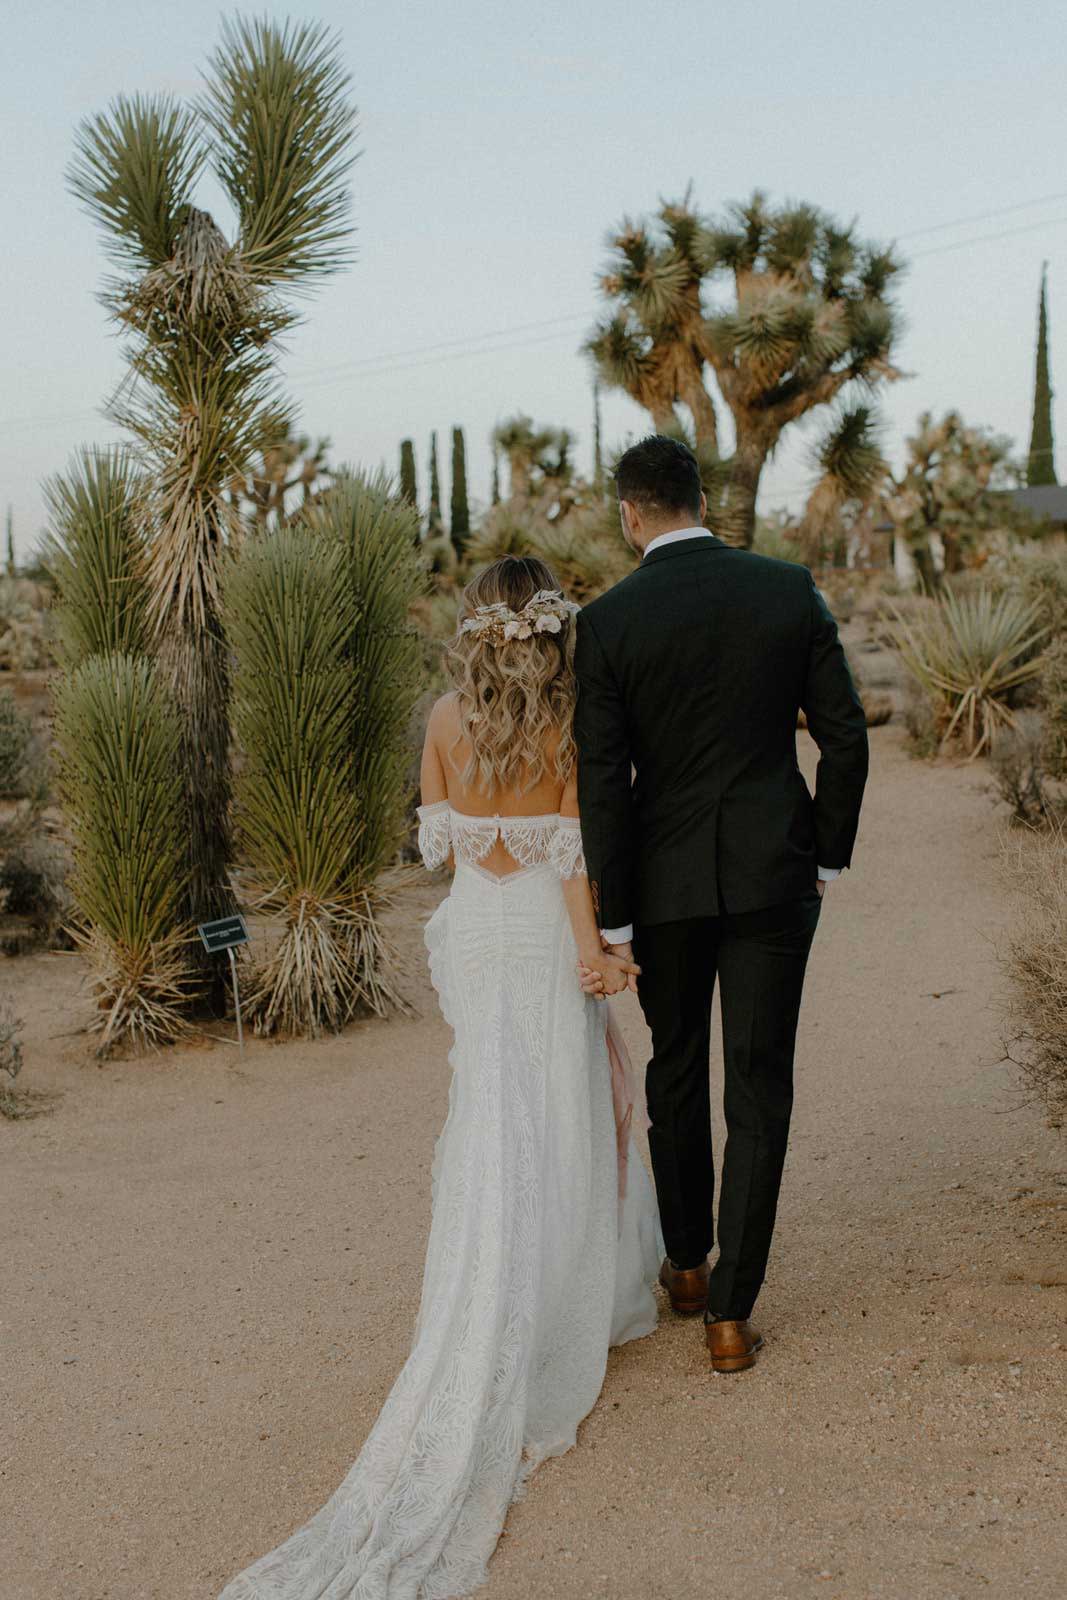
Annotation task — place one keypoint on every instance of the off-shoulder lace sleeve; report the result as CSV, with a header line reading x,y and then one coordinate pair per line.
x,y
435,833
566,853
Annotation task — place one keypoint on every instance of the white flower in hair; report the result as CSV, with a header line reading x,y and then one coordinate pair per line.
x,y
497,624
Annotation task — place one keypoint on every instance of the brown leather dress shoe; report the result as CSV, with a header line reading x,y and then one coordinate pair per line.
x,y
688,1289
732,1345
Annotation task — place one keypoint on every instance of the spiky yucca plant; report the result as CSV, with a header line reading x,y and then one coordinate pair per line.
x,y
291,612
95,551
119,738
970,652
376,532
201,314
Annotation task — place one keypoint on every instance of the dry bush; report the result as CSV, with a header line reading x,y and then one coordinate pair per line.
x,y
1053,695
13,1104
921,722
1020,777
1036,960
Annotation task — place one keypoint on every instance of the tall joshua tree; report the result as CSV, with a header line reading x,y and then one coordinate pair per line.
x,y
810,312
460,508
1041,463
201,314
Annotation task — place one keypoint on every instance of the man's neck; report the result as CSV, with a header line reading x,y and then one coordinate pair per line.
x,y
669,535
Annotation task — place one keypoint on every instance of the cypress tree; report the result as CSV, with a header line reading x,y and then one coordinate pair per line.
x,y
409,491
433,520
495,491
461,516
1041,465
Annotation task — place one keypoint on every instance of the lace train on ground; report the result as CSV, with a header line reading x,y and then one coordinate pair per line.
x,y
531,1271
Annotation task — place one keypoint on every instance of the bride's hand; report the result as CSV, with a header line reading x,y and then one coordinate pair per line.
x,y
611,975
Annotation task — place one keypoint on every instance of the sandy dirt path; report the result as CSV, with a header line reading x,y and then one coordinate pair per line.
x,y
210,1269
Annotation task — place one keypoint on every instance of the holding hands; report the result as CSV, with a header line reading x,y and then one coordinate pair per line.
x,y
608,970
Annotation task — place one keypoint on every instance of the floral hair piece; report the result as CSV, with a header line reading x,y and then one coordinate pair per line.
x,y
497,624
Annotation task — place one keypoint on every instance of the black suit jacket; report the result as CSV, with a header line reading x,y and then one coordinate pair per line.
x,y
691,672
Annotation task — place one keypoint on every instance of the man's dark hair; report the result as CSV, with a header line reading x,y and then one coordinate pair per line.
x,y
660,475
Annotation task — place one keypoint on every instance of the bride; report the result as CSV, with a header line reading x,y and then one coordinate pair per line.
x,y
544,1242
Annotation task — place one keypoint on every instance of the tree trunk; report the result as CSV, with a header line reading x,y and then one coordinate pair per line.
x,y
702,409
736,520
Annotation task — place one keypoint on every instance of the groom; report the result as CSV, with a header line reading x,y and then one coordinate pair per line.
x,y
706,850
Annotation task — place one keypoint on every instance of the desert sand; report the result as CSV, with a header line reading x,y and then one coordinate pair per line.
x,y
210,1268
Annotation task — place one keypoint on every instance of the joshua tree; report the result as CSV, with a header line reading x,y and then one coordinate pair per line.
x,y
949,489
538,457
460,509
1041,461
201,315
409,490
523,444
291,464
851,470
810,313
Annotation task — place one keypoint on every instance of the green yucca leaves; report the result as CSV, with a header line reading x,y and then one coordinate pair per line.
x,y
119,739
291,611
282,127
970,652
133,170
95,551
375,531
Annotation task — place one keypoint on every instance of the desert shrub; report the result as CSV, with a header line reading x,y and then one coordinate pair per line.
x,y
1053,701
1018,770
26,642
1039,576
971,653
34,888
10,1061
921,721
1037,965
16,735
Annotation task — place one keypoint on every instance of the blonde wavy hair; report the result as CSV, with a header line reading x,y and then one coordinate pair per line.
x,y
515,695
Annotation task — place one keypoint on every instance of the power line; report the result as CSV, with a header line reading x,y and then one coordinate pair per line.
x,y
461,347
445,344
983,216
983,238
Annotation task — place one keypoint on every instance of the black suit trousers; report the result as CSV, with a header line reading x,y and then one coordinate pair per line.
x,y
759,958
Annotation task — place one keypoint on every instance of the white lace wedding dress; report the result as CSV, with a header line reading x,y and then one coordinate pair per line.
x,y
538,1256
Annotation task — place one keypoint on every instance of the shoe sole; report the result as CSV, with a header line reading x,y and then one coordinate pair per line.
x,y
736,1363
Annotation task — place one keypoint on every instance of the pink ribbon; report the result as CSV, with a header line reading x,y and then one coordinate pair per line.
x,y
627,1091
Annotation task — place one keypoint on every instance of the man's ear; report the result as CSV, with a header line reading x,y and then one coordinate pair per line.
x,y
628,513
703,507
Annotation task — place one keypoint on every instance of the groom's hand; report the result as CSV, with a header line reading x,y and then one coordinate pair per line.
x,y
625,953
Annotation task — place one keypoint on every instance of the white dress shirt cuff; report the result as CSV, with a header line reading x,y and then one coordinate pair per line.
x,y
828,874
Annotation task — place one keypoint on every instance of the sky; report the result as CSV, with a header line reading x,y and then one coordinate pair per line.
x,y
499,149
